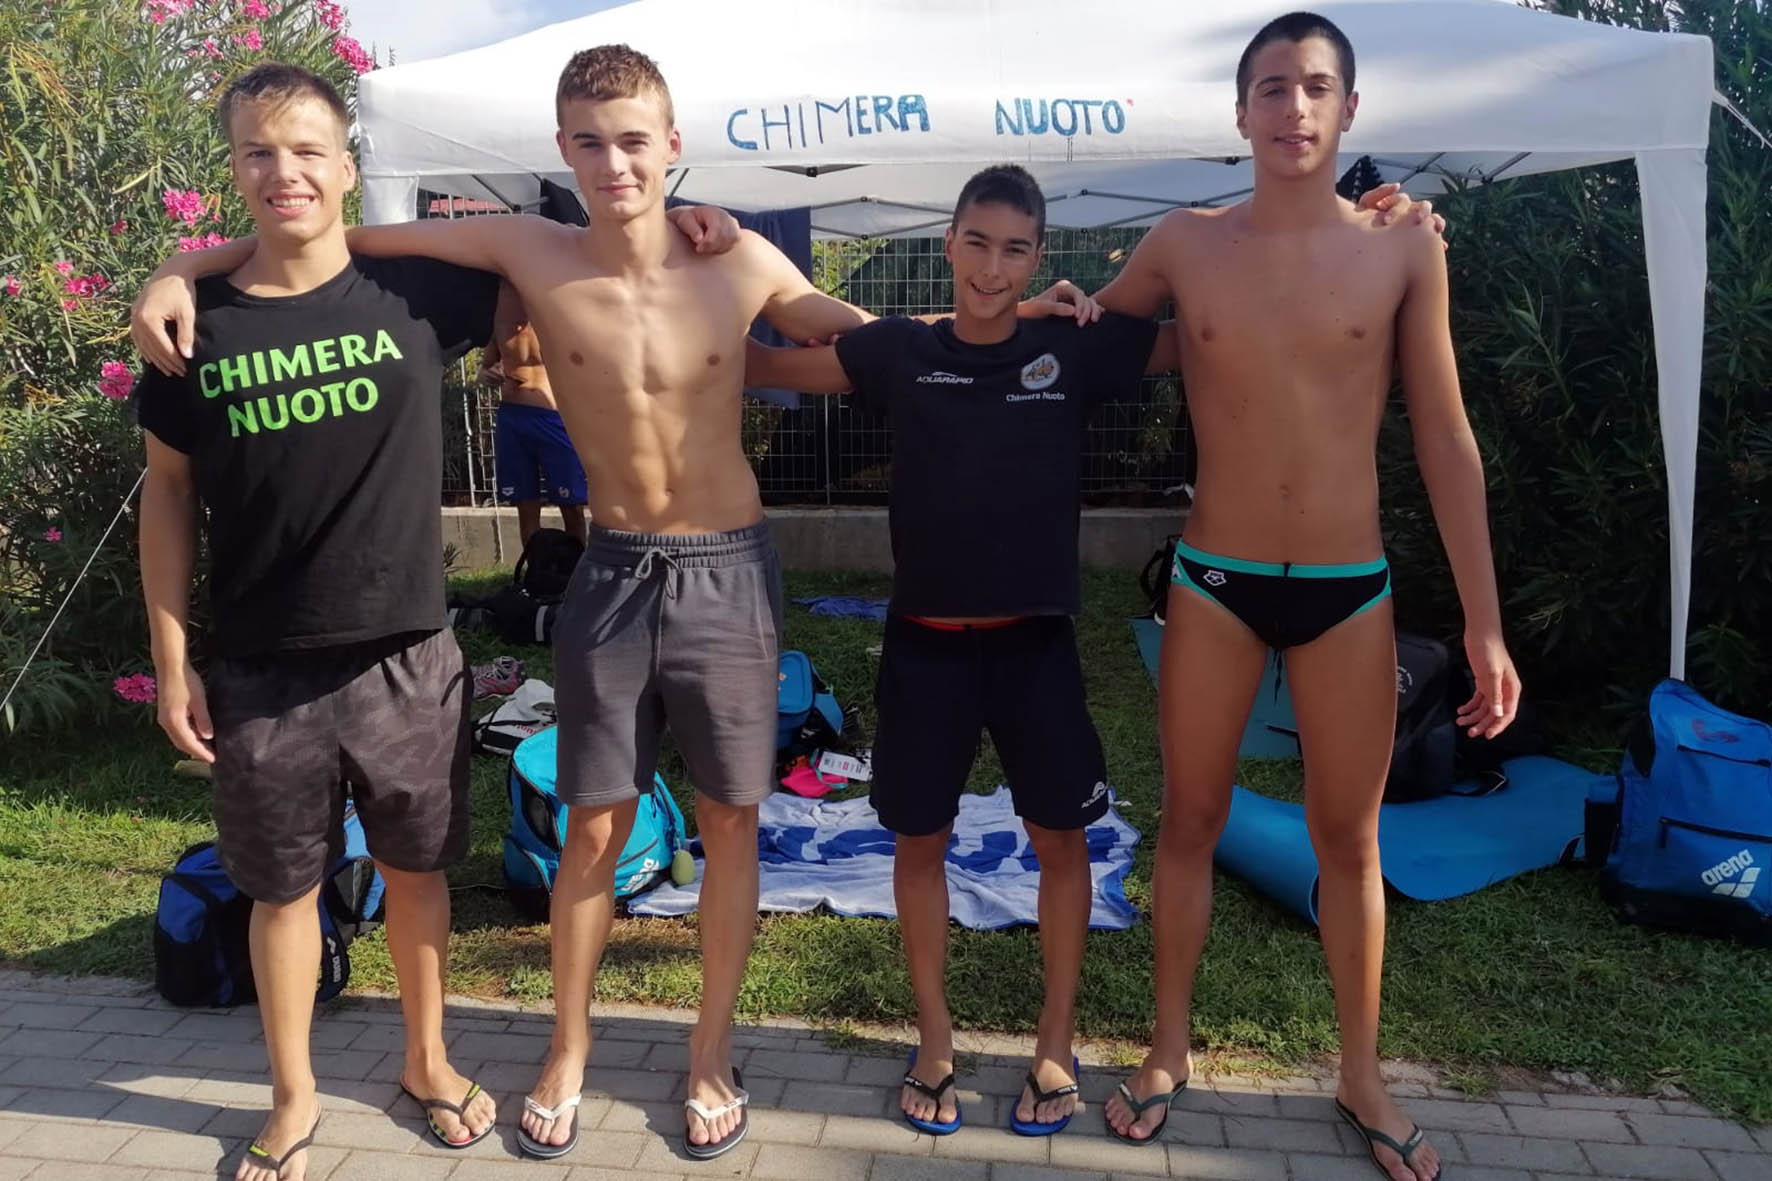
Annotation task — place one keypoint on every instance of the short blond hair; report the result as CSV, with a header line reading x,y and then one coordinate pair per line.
x,y
277,83
609,72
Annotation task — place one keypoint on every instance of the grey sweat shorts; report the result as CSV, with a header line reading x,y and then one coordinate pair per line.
x,y
677,628
389,717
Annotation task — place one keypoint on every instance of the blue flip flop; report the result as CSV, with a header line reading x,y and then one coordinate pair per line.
x,y
1023,1127
934,1093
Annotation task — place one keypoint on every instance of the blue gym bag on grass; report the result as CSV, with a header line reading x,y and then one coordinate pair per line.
x,y
807,714
538,830
200,924
1685,832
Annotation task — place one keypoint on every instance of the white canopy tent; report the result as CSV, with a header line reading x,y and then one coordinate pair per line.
x,y
873,113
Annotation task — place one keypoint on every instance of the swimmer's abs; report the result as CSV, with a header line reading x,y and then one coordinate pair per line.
x,y
708,502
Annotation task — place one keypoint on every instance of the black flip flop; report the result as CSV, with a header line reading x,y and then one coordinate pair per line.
x,y
716,1148
541,1149
265,1160
1374,1137
934,1093
1166,1098
460,1109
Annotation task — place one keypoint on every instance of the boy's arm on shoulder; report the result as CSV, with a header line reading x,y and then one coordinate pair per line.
x,y
815,370
490,243
791,304
1142,286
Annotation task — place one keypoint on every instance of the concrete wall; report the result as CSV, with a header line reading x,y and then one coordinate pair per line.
x,y
831,538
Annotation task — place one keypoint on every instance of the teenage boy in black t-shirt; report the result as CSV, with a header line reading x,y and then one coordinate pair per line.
x,y
988,414
306,426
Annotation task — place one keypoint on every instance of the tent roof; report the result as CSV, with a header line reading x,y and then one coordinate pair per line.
x,y
1144,89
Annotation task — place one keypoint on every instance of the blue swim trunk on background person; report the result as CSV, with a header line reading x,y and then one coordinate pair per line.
x,y
535,458
1284,603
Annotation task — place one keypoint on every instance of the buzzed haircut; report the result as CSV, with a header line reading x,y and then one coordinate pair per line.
x,y
1006,184
1295,27
610,72
277,83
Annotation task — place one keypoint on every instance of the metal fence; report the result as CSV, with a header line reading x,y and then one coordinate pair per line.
x,y
826,452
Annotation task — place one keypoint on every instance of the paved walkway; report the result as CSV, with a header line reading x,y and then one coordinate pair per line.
x,y
101,1080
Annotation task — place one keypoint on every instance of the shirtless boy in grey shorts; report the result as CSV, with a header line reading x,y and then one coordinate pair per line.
x,y
677,626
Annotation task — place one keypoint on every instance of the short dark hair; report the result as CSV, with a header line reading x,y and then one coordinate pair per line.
x,y
279,82
1295,27
608,72
1006,184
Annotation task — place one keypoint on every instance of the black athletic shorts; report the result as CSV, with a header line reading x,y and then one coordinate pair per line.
x,y
388,717
939,689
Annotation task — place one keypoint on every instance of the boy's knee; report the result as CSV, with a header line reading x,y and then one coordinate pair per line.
x,y
1190,828
926,850
1059,849
725,825
1344,845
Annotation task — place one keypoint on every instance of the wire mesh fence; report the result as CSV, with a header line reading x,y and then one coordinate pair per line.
x,y
824,451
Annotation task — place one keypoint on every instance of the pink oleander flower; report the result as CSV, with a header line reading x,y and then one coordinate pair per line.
x,y
120,226
256,10
331,15
250,39
52,534
138,688
211,48
186,245
116,380
64,267
70,305
13,287
159,10
185,205
354,54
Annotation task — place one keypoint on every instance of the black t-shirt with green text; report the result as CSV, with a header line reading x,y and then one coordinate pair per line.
x,y
314,429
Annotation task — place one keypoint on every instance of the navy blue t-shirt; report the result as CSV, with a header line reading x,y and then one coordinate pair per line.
x,y
314,429
987,454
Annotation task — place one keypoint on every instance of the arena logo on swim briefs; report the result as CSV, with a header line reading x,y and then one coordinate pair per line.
x,y
1061,116
785,126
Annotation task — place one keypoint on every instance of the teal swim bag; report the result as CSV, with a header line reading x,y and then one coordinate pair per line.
x,y
1685,831
538,831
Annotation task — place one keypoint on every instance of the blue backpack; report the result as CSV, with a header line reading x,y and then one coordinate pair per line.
x,y
1686,831
807,716
200,924
538,831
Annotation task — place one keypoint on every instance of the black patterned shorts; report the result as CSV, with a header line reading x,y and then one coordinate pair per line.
x,y
387,717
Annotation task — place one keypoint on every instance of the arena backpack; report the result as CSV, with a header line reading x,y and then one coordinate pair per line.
x,y
201,922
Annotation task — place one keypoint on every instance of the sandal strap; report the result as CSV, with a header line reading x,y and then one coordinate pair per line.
x,y
713,1113
922,1088
1163,1097
1048,1096
456,1108
555,1112
1373,1136
276,1163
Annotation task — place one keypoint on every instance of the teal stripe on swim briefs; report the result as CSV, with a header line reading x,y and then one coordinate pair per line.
x,y
1278,569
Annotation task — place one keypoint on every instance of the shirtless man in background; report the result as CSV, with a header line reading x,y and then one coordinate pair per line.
x,y
1293,308
536,462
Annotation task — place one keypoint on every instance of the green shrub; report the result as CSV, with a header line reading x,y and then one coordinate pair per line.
x,y
109,156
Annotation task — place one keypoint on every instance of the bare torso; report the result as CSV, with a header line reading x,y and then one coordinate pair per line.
x,y
1287,345
525,381
647,370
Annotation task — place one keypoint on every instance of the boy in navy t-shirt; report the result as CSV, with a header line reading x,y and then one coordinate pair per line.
x,y
988,413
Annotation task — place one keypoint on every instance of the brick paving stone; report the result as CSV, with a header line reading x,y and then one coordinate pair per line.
x,y
54,1072
13,1169
796,1065
766,1092
645,1086
1600,1102
1741,1166
49,1016
345,1064
921,1168
837,1099
1763,1137
592,1173
874,1072
875,1135
161,1114
661,1155
608,1052
1282,1135
1445,1115
145,1022
791,1162
174,1150
372,1133
48,1043
131,1077
1011,1171
1683,1107
1198,1128
217,1027
1186,1160
1109,1154
1315,1106
362,1097
656,1118
337,1034
524,1170
147,1049
1659,1161
979,1141
1686,1131
771,1126
382,1166
51,1141
378,1037
1567,1123
59,1171
243,1057
501,1047
1522,1098
57,1104
1559,1156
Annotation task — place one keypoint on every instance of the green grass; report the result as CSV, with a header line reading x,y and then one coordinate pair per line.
x,y
1533,973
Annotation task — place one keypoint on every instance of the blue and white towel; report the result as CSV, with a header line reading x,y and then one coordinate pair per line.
x,y
835,854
